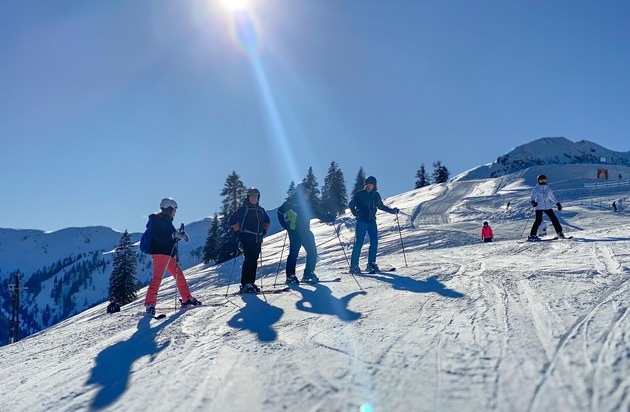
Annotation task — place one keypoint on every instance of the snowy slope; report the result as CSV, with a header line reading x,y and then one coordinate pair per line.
x,y
460,326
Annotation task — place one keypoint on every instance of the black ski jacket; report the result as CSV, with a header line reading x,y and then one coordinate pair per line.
x,y
251,222
162,229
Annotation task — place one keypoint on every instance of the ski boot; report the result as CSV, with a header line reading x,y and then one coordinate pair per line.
x,y
310,278
372,268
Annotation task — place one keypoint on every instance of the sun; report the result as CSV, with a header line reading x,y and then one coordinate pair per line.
x,y
235,5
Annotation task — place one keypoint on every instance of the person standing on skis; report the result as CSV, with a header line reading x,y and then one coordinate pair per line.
x,y
363,206
251,222
164,238
486,233
543,199
295,216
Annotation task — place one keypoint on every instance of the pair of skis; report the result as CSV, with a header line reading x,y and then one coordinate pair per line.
x,y
545,240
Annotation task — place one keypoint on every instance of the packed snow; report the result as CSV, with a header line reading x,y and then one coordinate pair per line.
x,y
460,325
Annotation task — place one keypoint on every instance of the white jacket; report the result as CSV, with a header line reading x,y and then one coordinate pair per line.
x,y
544,196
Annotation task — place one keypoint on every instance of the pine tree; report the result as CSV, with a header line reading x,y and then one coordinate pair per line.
x,y
290,190
234,192
334,195
122,280
421,178
210,248
316,201
359,181
440,173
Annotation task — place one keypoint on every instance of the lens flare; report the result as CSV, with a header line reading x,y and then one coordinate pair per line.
x,y
235,5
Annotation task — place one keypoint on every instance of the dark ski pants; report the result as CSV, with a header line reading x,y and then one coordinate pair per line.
x,y
296,241
538,221
251,252
359,236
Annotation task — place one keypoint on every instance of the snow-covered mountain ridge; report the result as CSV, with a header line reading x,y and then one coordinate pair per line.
x,y
547,151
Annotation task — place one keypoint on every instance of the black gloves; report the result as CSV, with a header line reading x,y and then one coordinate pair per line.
x,y
534,203
559,206
395,210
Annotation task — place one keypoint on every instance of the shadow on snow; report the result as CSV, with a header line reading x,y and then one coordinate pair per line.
x,y
429,285
257,316
113,364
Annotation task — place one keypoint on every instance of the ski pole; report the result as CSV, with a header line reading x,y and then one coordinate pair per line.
x,y
275,281
526,222
342,247
261,280
402,244
168,262
230,277
182,231
346,256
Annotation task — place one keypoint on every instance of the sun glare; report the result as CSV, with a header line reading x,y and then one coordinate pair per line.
x,y
235,5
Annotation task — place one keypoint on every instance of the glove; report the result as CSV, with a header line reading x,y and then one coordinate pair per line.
x,y
181,236
395,210
559,206
534,203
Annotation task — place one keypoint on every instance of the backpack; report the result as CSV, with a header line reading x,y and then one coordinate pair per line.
x,y
145,240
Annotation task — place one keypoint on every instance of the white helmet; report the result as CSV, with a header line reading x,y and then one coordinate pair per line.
x,y
168,202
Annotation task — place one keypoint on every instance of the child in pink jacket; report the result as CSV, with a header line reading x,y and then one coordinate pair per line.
x,y
486,233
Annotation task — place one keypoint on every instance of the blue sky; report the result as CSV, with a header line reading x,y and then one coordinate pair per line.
x,y
109,106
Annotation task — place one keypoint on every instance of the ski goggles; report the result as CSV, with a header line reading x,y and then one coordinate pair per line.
x,y
543,181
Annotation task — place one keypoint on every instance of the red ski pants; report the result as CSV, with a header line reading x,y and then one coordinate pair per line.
x,y
160,263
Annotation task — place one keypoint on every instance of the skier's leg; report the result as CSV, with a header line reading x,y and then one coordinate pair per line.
x,y
251,251
182,286
295,243
159,264
311,252
372,231
537,223
359,236
554,220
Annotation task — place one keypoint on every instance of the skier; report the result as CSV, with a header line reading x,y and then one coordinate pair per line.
x,y
295,216
251,222
113,306
164,238
614,205
486,233
363,206
543,199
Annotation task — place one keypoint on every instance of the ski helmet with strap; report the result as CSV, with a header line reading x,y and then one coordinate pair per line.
x,y
253,191
168,202
542,179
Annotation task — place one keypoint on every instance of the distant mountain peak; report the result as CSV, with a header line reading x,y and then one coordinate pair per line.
x,y
548,151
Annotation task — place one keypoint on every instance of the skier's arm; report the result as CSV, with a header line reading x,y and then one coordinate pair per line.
x,y
281,217
380,205
236,218
266,222
353,206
